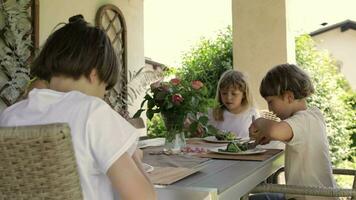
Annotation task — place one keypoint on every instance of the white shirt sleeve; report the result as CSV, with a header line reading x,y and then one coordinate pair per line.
x,y
298,125
110,136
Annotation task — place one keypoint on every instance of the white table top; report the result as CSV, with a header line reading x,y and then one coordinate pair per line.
x,y
222,179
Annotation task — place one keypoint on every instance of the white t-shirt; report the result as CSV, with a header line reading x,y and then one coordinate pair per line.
x,y
237,123
99,135
307,159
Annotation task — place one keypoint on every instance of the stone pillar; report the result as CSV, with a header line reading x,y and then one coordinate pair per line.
x,y
261,39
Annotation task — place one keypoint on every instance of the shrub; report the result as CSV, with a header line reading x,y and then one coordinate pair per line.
x,y
155,127
208,60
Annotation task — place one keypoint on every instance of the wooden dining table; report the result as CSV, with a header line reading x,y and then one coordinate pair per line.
x,y
222,179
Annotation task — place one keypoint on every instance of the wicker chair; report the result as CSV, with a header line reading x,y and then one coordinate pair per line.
x,y
38,162
310,191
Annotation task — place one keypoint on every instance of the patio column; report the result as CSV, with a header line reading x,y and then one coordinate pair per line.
x,y
261,39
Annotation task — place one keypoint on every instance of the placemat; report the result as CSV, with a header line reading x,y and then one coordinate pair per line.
x,y
169,175
255,157
179,160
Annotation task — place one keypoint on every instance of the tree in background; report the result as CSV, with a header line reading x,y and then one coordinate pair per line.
x,y
208,60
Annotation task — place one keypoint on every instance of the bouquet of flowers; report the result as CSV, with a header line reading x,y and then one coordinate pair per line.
x,y
177,101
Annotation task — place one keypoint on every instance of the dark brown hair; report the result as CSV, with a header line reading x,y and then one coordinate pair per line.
x,y
286,77
75,50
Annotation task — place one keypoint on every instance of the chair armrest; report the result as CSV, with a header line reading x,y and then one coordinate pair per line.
x,y
351,172
304,190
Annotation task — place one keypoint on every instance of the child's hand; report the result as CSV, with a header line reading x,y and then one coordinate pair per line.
x,y
200,131
263,140
256,132
253,132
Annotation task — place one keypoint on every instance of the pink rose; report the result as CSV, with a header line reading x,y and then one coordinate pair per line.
x,y
177,99
175,81
197,84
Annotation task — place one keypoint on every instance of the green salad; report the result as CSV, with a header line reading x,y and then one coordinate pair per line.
x,y
235,147
229,136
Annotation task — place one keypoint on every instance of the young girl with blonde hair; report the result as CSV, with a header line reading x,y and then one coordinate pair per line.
x,y
235,110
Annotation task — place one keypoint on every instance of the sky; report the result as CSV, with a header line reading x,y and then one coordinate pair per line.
x,y
309,14
172,27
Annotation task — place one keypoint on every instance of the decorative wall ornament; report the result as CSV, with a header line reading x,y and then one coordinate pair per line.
x,y
15,48
111,20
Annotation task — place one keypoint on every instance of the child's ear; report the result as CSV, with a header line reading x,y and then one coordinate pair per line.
x,y
290,96
93,76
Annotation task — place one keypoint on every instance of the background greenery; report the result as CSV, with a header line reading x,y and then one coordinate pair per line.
x,y
205,62
333,95
208,60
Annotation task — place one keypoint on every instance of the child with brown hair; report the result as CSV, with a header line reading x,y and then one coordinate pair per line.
x,y
80,64
307,161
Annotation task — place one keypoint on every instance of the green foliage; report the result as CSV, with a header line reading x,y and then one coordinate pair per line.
x,y
208,60
350,100
343,181
333,97
176,100
155,127
125,93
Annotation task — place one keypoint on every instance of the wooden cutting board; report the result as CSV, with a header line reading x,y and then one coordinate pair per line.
x,y
169,175
254,157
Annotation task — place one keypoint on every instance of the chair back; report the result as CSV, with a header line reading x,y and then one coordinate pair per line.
x,y
38,162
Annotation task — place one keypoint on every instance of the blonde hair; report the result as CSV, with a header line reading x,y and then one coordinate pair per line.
x,y
236,79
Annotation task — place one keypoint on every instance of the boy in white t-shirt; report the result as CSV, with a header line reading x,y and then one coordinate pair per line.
x,y
80,63
307,161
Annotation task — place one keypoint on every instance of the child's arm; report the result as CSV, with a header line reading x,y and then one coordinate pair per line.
x,y
127,179
137,157
264,130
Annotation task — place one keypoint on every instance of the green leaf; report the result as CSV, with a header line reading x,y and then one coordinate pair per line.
x,y
150,114
169,105
143,103
150,104
203,119
193,127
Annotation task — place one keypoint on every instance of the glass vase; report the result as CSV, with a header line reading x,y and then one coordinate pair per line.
x,y
175,138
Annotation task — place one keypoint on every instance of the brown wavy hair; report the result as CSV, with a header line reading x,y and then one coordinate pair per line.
x,y
286,77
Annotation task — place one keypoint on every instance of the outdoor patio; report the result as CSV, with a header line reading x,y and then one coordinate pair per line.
x,y
198,169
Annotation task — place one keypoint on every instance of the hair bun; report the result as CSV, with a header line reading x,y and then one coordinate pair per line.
x,y
76,18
